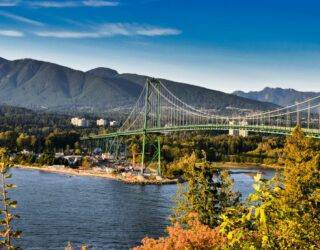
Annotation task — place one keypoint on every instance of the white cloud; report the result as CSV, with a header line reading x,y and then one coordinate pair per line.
x,y
21,19
6,3
66,4
11,33
45,4
111,30
126,29
158,32
65,34
97,3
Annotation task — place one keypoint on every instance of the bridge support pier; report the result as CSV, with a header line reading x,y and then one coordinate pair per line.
x,y
159,155
143,152
156,142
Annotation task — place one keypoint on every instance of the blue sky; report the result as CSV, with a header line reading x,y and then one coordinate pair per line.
x,y
220,44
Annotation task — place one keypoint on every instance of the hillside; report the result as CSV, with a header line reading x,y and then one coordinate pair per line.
x,y
279,96
29,121
47,86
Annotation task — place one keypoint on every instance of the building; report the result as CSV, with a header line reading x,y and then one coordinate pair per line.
x,y
114,123
243,132
80,122
232,131
238,132
101,122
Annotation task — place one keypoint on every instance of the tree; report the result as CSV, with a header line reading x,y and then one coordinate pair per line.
x,y
208,193
283,213
300,197
7,233
24,141
196,236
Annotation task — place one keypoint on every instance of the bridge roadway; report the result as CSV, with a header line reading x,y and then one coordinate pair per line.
x,y
314,133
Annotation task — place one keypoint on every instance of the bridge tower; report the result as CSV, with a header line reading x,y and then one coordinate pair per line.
x,y
148,139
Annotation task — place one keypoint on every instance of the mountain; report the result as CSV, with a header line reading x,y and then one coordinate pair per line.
x,y
279,96
42,85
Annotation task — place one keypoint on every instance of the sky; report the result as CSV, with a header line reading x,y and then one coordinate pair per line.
x,y
225,45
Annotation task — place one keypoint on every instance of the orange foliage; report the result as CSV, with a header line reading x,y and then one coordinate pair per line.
x,y
196,236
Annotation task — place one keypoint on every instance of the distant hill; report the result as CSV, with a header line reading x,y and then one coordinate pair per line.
x,y
279,96
46,86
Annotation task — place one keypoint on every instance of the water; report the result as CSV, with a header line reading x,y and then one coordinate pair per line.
x,y
101,213
244,179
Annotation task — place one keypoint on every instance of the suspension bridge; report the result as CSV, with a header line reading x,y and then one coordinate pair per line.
x,y
158,111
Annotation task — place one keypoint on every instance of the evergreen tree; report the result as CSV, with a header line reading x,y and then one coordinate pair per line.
x,y
208,193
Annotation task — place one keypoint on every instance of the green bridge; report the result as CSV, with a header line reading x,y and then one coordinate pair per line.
x,y
158,112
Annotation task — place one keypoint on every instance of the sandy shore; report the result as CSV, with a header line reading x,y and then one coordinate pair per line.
x,y
147,180
100,174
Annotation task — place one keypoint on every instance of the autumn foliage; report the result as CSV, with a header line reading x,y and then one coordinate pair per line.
x,y
196,236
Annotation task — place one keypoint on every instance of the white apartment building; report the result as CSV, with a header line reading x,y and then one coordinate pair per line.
x,y
80,122
101,122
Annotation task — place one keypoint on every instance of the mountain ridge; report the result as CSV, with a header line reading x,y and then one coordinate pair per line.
x,y
43,85
279,96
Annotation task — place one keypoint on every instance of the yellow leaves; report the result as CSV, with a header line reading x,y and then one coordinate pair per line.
x,y
248,216
8,176
277,189
13,204
257,178
265,241
256,187
230,235
11,185
263,219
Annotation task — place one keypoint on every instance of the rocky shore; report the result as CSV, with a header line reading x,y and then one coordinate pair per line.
x,y
129,179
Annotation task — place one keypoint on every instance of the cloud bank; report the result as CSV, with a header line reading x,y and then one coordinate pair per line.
x,y
68,4
113,29
8,3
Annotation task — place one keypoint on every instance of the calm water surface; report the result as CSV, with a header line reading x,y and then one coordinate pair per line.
x,y
101,213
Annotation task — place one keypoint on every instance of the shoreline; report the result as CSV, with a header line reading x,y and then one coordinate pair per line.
x,y
100,174
244,165
139,180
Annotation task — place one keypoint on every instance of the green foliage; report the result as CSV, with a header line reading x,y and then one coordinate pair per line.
x,y
218,148
208,193
8,139
7,233
49,160
61,140
282,213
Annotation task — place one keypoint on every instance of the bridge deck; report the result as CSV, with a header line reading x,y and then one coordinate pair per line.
x,y
314,133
